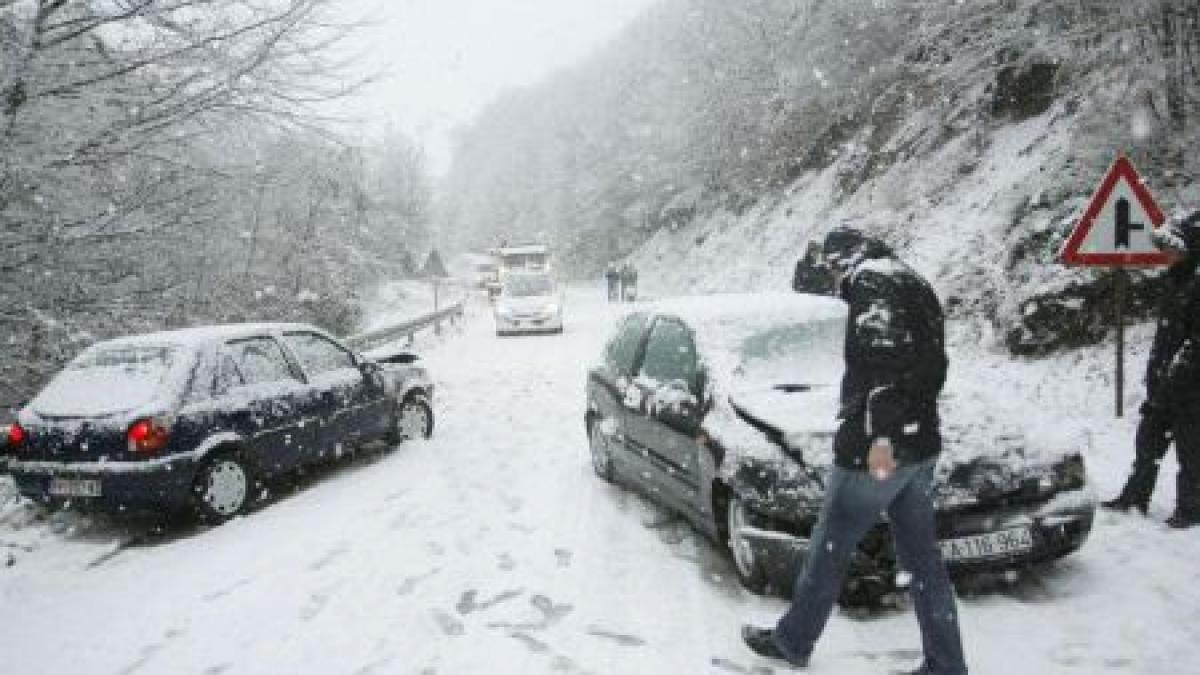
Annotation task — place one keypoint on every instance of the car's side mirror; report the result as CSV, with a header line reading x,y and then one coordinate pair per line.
x,y
678,406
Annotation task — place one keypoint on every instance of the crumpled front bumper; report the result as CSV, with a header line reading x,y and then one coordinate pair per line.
x,y
1057,527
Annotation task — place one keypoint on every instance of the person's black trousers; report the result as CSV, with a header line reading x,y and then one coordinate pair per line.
x,y
1155,433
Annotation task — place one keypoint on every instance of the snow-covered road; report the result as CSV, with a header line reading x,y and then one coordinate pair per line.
x,y
492,548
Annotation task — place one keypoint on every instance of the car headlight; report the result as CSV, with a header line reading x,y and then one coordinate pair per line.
x,y
550,309
504,311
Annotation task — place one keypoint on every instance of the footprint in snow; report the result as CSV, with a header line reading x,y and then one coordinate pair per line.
x,y
732,667
551,614
449,625
559,664
534,644
468,603
513,504
221,593
564,557
619,638
333,554
507,563
316,604
410,584
890,654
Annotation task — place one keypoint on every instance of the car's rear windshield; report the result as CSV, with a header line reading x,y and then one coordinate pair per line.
x,y
107,380
519,287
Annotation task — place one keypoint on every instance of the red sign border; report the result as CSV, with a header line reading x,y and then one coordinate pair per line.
x,y
1070,255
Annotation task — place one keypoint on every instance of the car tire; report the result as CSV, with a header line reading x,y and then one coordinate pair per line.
x,y
748,562
223,487
601,452
414,418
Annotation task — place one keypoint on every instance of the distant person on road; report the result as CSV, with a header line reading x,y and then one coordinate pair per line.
x,y
1171,412
613,277
629,277
885,449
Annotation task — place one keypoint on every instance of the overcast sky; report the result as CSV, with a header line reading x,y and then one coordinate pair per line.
x,y
446,59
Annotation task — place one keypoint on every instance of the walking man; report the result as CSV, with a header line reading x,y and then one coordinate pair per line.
x,y
886,446
613,278
1171,412
629,278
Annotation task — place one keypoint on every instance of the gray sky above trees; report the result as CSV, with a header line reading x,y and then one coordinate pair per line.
x,y
446,59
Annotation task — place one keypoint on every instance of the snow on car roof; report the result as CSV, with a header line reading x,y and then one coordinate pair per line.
x,y
202,335
751,311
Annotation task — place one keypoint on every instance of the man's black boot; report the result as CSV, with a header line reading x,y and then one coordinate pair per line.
x,y
1123,504
761,641
1181,521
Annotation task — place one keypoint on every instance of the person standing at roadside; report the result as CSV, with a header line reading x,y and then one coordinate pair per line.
x,y
886,446
614,282
629,277
1171,412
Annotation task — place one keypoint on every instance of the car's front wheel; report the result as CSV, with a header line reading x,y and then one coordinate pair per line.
x,y
414,419
601,451
222,488
748,561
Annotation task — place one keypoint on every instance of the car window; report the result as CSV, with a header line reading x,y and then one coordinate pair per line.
x,y
528,286
670,353
107,379
259,360
621,351
318,354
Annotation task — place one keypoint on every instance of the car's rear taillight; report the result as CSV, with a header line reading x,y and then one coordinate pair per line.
x,y
16,436
147,436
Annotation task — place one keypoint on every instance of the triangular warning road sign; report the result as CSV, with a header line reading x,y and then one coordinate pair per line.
x,y
1115,228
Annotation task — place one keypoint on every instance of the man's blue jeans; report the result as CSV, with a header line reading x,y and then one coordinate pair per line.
x,y
854,501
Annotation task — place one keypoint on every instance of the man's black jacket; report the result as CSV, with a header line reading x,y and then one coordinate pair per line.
x,y
895,363
1173,369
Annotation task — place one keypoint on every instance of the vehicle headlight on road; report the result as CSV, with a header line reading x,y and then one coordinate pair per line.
x,y
504,312
551,309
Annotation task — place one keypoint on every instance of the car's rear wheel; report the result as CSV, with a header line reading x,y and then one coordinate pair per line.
x,y
601,452
222,488
748,562
414,419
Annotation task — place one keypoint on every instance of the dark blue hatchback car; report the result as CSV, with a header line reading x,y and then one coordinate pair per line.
x,y
190,419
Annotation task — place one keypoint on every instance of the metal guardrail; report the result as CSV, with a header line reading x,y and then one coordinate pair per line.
x,y
406,329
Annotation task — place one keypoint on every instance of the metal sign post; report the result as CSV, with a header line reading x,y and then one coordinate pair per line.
x,y
1120,283
1114,232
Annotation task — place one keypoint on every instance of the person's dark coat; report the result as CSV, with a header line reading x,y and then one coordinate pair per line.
x,y
1173,369
895,355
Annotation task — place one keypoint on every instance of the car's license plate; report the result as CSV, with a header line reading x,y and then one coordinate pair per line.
x,y
990,545
75,487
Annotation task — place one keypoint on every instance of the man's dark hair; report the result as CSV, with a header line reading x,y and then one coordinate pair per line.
x,y
1181,235
845,247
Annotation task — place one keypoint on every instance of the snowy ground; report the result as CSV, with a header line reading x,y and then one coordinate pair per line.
x,y
492,548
